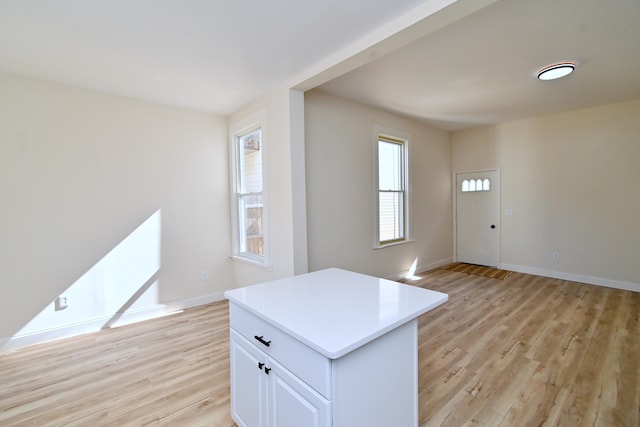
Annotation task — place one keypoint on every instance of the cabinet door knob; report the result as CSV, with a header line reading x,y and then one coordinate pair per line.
x,y
260,365
262,341
266,370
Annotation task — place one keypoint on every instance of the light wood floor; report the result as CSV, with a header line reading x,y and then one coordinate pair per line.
x,y
525,351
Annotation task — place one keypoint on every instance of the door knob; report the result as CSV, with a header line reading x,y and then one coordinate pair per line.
x,y
493,226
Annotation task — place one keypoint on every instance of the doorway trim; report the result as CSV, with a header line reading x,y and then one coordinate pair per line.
x,y
454,192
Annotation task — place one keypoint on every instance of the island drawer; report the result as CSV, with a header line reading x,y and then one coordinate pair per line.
x,y
307,364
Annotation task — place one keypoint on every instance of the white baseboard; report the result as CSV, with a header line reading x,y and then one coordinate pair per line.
x,y
93,325
67,331
421,269
195,302
580,278
590,280
158,310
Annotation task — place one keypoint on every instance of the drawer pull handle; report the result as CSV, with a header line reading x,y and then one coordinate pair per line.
x,y
266,370
260,365
262,341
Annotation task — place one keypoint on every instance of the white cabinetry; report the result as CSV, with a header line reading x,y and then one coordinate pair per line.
x,y
264,393
326,349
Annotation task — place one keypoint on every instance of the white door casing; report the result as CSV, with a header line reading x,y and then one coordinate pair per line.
x,y
478,219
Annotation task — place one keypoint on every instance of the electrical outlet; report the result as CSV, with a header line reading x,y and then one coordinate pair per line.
x,y
61,303
205,276
555,256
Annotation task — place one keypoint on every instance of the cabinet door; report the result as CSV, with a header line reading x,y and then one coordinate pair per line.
x,y
292,403
248,383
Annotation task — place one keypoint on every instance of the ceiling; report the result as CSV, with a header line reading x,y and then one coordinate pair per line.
x,y
482,69
210,55
432,60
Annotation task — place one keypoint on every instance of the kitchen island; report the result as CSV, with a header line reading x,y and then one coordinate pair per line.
x,y
328,348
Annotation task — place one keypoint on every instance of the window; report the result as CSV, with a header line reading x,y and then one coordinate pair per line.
x,y
247,152
391,195
475,185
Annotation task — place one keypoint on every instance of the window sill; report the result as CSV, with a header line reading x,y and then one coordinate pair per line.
x,y
262,264
388,245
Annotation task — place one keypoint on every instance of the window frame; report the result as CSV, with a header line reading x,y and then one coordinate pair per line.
x,y
390,135
236,131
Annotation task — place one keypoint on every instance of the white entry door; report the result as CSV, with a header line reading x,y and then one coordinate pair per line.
x,y
478,218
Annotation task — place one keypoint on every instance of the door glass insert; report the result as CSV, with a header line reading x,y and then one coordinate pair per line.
x,y
473,185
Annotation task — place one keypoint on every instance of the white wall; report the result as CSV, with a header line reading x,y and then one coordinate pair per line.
x,y
340,189
571,180
80,171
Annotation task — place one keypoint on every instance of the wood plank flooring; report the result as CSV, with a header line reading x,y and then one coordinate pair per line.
x,y
524,351
171,371
529,351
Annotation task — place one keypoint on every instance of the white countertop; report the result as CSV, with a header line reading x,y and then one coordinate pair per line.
x,y
335,311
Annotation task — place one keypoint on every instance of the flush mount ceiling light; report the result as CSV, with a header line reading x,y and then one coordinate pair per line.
x,y
556,71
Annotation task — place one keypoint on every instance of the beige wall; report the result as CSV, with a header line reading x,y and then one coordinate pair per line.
x,y
571,180
80,170
340,189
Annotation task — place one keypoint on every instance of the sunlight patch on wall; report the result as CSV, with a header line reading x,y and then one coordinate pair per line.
x,y
123,282
411,274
